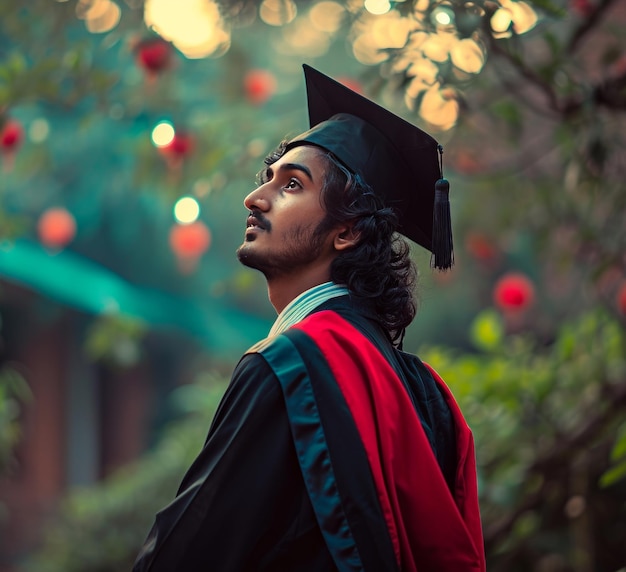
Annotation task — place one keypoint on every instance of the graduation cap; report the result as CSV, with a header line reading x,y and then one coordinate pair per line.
x,y
401,163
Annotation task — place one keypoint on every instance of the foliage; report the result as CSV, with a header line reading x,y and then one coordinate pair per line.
x,y
549,112
550,433
115,340
550,457
14,394
101,528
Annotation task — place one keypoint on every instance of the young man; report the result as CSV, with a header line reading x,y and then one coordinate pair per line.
x,y
332,449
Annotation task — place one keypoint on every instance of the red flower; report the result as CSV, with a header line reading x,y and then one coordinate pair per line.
x,y
56,227
175,152
11,136
181,145
259,86
154,55
514,292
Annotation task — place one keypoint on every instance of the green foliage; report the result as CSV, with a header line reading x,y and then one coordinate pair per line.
x,y
617,470
546,419
59,70
101,528
14,394
115,340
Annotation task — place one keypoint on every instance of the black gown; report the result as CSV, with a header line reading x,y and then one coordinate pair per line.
x,y
256,499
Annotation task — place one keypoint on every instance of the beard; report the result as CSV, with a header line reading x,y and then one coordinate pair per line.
x,y
299,247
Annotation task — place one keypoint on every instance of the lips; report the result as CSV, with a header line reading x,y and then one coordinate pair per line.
x,y
254,222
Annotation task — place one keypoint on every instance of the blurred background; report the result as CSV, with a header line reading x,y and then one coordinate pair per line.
x,y
131,130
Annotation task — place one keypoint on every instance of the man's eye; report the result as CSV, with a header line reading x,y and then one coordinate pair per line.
x,y
293,184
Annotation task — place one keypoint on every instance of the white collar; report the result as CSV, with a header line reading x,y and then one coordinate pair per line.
x,y
304,304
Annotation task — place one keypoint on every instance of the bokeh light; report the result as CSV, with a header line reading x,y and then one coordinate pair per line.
x,y
195,27
278,12
440,108
186,210
56,227
100,16
420,44
377,7
443,15
39,130
468,56
163,134
327,16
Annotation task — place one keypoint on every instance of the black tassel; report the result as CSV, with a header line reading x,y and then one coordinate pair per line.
x,y
442,249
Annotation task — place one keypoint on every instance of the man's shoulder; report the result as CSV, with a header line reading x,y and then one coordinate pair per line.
x,y
260,346
315,324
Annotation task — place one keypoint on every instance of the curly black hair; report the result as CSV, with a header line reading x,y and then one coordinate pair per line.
x,y
378,269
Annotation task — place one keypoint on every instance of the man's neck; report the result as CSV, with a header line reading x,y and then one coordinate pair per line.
x,y
283,290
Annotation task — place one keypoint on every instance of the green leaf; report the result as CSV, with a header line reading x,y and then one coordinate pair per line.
x,y
487,330
613,475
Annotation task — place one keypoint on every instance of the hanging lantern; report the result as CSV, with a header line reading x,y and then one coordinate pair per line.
x,y
189,242
154,56
259,86
56,228
514,293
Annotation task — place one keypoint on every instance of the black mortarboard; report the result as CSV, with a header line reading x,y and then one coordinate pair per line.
x,y
400,162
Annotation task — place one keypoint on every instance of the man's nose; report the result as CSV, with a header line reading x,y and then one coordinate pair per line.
x,y
257,199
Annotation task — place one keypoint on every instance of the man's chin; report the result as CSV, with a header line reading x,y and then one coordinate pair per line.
x,y
247,257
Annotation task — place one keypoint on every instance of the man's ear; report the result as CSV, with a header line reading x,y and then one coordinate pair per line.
x,y
346,237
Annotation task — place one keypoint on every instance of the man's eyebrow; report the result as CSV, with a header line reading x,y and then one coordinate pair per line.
x,y
297,167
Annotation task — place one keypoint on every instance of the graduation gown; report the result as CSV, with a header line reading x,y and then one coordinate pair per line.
x,y
331,450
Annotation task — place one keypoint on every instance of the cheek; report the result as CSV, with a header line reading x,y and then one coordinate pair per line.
x,y
309,211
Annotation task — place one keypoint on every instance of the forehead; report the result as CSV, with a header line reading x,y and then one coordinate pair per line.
x,y
307,155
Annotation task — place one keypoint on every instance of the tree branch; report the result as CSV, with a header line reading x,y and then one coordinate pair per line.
x,y
526,73
588,24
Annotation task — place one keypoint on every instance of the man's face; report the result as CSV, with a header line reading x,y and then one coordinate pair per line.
x,y
283,234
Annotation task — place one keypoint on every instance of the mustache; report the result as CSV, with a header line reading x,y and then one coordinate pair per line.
x,y
256,218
